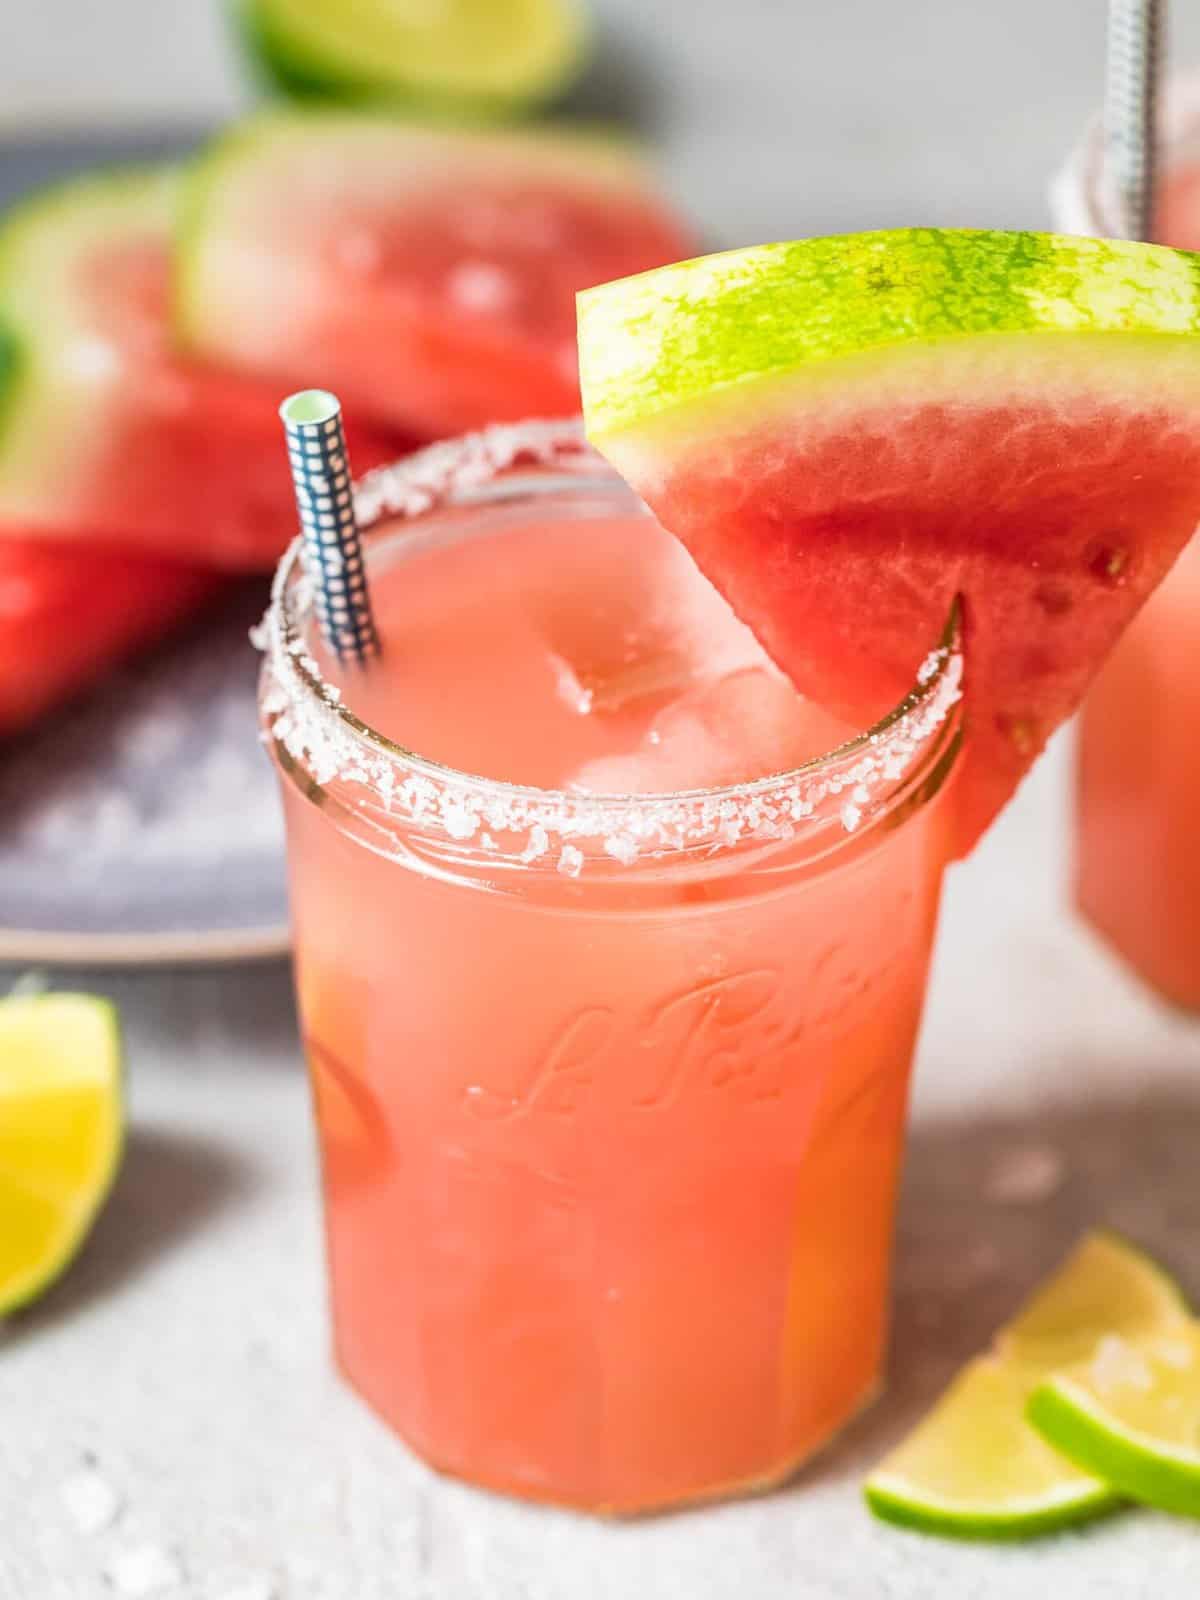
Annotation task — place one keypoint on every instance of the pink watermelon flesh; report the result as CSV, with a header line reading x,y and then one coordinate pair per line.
x,y
845,549
191,465
443,312
67,615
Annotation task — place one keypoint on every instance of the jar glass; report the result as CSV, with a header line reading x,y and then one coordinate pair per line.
x,y
610,1091
1137,868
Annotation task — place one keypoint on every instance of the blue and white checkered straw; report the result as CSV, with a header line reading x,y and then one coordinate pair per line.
x,y
1135,37
333,556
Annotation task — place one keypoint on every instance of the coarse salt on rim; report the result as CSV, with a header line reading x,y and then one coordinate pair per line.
x,y
558,830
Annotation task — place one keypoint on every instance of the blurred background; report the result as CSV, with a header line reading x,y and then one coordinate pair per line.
x,y
765,119
772,118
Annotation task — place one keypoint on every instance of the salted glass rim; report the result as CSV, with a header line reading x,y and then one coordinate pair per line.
x,y
315,733
560,461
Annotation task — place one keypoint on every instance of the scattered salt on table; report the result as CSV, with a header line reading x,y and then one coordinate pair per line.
x,y
91,1501
143,1570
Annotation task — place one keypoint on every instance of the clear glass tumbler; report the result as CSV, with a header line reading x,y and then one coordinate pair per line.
x,y
1137,865
610,1091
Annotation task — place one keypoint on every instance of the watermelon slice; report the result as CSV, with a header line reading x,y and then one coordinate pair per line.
x,y
427,276
847,433
67,614
106,433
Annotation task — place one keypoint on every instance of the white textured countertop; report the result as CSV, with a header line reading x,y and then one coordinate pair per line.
x,y
185,1355
173,1395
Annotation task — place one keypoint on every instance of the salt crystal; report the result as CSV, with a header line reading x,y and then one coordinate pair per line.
x,y
851,816
145,1569
539,843
249,1589
623,847
929,667
570,862
91,1500
1025,1175
458,822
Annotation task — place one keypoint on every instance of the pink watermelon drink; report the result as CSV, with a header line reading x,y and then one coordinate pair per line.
x,y
1138,784
610,991
610,1091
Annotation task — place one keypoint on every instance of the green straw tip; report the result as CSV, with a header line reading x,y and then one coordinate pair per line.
x,y
310,405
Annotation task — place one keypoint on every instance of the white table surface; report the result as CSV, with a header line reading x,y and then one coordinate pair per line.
x,y
184,1358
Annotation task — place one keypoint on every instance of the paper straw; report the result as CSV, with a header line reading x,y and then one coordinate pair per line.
x,y
333,556
1135,30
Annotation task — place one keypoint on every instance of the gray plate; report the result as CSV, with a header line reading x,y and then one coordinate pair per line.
x,y
142,825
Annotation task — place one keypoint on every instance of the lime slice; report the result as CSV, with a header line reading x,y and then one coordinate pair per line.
x,y
60,1133
1131,1414
1107,1288
498,52
975,1467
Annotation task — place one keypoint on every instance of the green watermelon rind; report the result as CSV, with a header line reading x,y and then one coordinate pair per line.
x,y
298,68
669,339
74,201
597,155
10,374
32,316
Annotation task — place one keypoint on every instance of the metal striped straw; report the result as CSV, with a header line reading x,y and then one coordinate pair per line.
x,y
333,555
1135,32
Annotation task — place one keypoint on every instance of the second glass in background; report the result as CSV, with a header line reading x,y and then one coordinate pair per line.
x,y
1138,779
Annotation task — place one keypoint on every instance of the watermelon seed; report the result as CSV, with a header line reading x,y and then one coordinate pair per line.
x,y
1108,563
1020,730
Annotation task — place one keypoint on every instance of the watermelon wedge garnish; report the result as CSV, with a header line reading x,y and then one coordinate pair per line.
x,y
68,613
426,275
847,433
105,431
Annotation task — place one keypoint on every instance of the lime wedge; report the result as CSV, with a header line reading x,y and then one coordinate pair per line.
x,y
469,52
60,1133
975,1467
1107,1288
1132,1415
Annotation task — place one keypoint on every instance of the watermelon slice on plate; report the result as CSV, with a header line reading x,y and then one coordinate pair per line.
x,y
69,613
105,431
426,275
847,433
